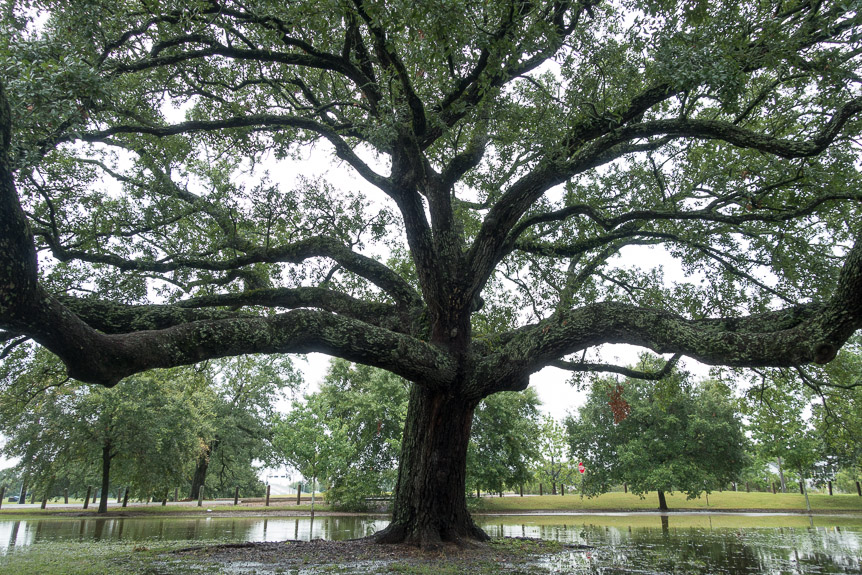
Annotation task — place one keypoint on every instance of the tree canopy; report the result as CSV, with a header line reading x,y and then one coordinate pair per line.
x,y
159,207
504,442
668,435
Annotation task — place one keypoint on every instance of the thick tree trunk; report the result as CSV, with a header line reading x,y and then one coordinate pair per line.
x,y
430,503
106,477
662,502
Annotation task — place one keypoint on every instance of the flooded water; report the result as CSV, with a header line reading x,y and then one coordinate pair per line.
x,y
232,529
613,543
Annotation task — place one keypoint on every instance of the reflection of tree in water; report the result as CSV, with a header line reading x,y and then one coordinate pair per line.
x,y
100,527
663,549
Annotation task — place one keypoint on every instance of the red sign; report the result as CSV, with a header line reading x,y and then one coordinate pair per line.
x,y
581,467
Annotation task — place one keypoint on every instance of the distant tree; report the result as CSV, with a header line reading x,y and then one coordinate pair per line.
x,y
554,465
305,440
11,479
244,392
665,435
776,409
505,442
144,431
370,406
837,415
150,427
807,418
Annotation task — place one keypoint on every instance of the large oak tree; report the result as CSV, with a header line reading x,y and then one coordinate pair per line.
x,y
152,212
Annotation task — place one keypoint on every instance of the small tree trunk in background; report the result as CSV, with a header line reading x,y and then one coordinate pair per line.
x,y
478,493
625,487
801,488
773,488
720,488
22,496
859,489
106,477
313,481
562,490
200,495
500,494
267,495
781,477
176,494
747,487
200,475
804,491
32,496
3,494
95,495
126,497
203,463
662,502
236,495
829,484
735,486
48,489
298,493
522,489
540,489
87,498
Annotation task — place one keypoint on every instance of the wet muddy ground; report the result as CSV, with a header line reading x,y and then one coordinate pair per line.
x,y
510,555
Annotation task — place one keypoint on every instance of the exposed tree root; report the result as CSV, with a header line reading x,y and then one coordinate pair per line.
x,y
430,538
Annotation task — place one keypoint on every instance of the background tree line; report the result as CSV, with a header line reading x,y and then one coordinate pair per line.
x,y
153,433
215,426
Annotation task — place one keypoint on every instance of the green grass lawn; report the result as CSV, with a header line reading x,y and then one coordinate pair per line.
x,y
97,558
726,500
156,509
717,501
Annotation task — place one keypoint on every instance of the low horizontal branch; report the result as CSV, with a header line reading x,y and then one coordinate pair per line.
x,y
587,367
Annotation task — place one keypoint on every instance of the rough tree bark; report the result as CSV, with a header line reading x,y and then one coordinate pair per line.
x,y
430,503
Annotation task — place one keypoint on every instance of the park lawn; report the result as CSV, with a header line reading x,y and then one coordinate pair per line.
x,y
156,509
727,500
679,521
96,558
629,502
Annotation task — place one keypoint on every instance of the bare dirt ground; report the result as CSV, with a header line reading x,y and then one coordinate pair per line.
x,y
364,556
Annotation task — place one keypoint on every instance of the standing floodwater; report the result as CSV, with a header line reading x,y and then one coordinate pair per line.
x,y
625,543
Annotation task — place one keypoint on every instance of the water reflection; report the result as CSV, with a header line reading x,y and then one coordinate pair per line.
x,y
27,532
652,544
664,548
